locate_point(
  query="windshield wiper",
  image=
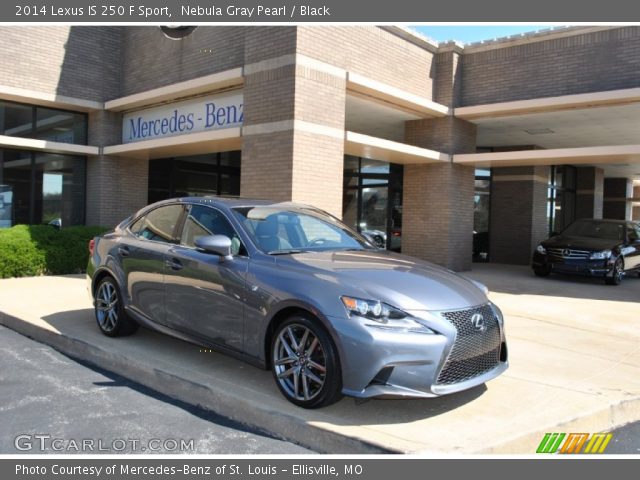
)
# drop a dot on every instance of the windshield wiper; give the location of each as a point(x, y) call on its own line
point(284, 252)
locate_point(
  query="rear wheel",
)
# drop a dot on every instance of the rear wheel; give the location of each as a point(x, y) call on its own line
point(616, 274)
point(305, 363)
point(110, 315)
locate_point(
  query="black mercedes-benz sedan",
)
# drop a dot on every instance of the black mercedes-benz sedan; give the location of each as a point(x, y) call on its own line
point(600, 248)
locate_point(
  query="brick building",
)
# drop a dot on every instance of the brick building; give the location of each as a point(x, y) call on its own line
point(450, 153)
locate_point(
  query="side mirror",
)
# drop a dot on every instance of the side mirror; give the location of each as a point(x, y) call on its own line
point(216, 244)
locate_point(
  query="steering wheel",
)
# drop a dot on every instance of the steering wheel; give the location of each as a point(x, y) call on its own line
point(317, 242)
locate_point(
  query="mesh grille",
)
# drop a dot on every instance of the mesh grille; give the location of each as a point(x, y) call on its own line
point(474, 351)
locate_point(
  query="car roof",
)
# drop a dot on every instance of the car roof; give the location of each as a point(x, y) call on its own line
point(603, 220)
point(229, 202)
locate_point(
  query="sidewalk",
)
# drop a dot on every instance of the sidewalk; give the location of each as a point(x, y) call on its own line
point(574, 366)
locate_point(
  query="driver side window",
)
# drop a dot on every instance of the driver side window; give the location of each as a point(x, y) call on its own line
point(202, 221)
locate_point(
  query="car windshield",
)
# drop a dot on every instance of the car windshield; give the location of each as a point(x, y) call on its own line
point(595, 229)
point(284, 229)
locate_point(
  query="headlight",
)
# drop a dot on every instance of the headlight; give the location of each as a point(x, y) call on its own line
point(497, 312)
point(541, 249)
point(603, 255)
point(385, 316)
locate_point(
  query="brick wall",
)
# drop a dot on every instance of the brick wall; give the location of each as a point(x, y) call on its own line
point(82, 62)
point(604, 60)
point(518, 213)
point(589, 192)
point(370, 51)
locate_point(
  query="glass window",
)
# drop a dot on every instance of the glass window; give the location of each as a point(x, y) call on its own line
point(481, 215)
point(202, 221)
point(159, 224)
point(195, 176)
point(43, 187)
point(16, 119)
point(561, 197)
point(19, 120)
point(60, 126)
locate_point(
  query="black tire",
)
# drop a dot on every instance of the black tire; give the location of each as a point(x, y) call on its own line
point(111, 318)
point(617, 274)
point(542, 271)
point(292, 372)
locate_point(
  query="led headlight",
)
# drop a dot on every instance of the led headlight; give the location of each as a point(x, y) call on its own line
point(541, 249)
point(385, 316)
point(603, 255)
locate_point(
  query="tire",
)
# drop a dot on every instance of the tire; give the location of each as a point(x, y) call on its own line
point(298, 371)
point(109, 310)
point(618, 272)
point(542, 272)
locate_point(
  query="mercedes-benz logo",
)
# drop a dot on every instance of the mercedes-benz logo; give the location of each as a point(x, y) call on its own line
point(566, 252)
point(477, 320)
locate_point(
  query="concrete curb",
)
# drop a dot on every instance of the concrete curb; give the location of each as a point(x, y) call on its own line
point(274, 422)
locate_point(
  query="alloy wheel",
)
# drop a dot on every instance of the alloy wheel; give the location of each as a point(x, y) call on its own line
point(299, 362)
point(107, 306)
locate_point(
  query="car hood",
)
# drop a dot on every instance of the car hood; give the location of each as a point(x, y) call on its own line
point(403, 282)
point(580, 243)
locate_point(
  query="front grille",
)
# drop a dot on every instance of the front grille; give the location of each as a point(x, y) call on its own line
point(568, 254)
point(474, 351)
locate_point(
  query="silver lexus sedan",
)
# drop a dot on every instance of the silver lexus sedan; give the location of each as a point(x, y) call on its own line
point(290, 288)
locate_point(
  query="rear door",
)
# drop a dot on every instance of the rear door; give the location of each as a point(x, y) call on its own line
point(143, 254)
point(632, 249)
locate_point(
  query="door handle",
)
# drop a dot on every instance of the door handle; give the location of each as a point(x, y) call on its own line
point(123, 251)
point(174, 264)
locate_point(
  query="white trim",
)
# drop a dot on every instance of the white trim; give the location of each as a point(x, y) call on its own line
point(227, 139)
point(555, 156)
point(47, 146)
point(395, 152)
point(294, 59)
point(175, 91)
point(373, 88)
point(299, 125)
point(44, 99)
point(519, 178)
point(563, 102)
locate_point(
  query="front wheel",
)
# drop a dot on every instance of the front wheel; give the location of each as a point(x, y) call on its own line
point(110, 315)
point(305, 363)
point(542, 271)
point(616, 274)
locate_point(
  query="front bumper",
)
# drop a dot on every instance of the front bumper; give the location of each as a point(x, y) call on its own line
point(585, 267)
point(377, 363)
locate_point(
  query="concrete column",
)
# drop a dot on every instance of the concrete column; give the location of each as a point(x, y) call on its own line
point(437, 211)
point(293, 133)
point(617, 192)
point(589, 192)
point(518, 213)
point(116, 186)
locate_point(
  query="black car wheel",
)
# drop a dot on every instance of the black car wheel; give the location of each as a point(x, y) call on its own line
point(616, 274)
point(542, 271)
point(110, 315)
point(305, 363)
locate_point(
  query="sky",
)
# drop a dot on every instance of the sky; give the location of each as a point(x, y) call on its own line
point(474, 33)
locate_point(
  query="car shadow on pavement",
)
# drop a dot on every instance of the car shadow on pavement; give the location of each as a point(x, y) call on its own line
point(222, 374)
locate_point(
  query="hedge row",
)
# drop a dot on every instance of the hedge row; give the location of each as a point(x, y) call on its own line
point(27, 250)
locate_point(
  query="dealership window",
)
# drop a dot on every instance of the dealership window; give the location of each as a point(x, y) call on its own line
point(481, 215)
point(31, 121)
point(39, 187)
point(195, 176)
point(561, 197)
point(372, 199)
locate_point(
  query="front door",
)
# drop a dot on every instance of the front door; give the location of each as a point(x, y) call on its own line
point(204, 293)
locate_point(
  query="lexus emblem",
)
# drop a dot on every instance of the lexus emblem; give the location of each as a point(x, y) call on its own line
point(477, 320)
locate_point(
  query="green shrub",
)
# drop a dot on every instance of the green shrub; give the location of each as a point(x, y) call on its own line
point(27, 250)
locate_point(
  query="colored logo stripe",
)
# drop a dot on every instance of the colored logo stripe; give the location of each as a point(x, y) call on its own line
point(574, 443)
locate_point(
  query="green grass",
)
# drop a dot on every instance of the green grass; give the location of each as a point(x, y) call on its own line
point(28, 250)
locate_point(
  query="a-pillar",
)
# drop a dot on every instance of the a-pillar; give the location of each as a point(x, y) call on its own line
point(518, 213)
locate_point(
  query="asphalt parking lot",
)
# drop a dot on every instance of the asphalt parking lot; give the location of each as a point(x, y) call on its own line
point(574, 366)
